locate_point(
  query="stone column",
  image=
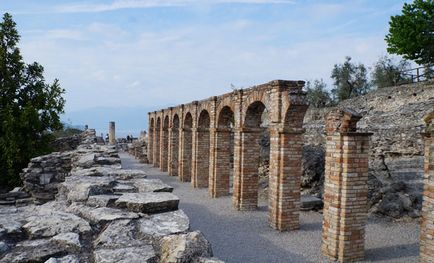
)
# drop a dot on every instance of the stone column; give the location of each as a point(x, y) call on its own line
point(286, 148)
point(220, 166)
point(427, 223)
point(112, 134)
point(345, 187)
point(246, 161)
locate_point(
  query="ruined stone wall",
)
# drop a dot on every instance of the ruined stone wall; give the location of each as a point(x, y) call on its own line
point(101, 213)
point(394, 115)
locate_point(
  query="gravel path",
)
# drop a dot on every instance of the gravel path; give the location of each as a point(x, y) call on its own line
point(246, 237)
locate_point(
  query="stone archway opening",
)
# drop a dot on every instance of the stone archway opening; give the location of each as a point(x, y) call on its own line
point(174, 146)
point(257, 122)
point(202, 152)
point(224, 173)
point(157, 143)
point(187, 147)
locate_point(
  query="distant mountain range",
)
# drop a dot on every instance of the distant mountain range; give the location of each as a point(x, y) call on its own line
point(129, 120)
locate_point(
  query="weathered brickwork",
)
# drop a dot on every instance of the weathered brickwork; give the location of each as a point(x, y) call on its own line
point(151, 141)
point(174, 146)
point(427, 223)
point(345, 188)
point(201, 136)
point(164, 149)
point(156, 139)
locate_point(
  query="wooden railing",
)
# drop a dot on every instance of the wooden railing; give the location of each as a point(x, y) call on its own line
point(417, 74)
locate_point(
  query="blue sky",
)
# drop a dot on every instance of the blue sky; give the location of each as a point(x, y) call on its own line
point(157, 53)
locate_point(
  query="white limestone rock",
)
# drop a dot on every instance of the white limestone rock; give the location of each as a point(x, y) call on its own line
point(118, 234)
point(164, 224)
point(142, 254)
point(33, 251)
point(184, 248)
point(65, 259)
point(101, 214)
point(48, 223)
point(148, 202)
point(102, 200)
point(152, 185)
point(70, 239)
point(78, 189)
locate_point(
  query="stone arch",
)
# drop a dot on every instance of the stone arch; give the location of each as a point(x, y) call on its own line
point(294, 116)
point(157, 143)
point(254, 113)
point(202, 150)
point(173, 166)
point(225, 118)
point(187, 147)
point(164, 144)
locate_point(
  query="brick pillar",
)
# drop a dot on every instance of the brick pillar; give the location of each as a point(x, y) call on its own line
point(221, 166)
point(150, 144)
point(284, 180)
point(156, 153)
point(246, 161)
point(164, 149)
point(185, 156)
point(427, 223)
point(345, 188)
point(200, 175)
point(174, 151)
point(169, 150)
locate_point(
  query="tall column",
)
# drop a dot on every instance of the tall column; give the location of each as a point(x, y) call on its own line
point(246, 161)
point(169, 151)
point(345, 188)
point(185, 155)
point(164, 142)
point(427, 223)
point(200, 175)
point(286, 148)
point(156, 149)
point(220, 166)
point(112, 134)
point(150, 141)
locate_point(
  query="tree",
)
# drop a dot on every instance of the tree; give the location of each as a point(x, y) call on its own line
point(411, 34)
point(317, 95)
point(387, 72)
point(350, 80)
point(29, 108)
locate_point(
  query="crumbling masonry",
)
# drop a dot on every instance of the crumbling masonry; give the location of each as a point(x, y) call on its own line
point(193, 141)
point(427, 223)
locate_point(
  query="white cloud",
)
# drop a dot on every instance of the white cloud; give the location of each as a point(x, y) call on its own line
point(84, 7)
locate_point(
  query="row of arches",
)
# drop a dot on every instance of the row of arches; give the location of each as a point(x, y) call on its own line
point(216, 144)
